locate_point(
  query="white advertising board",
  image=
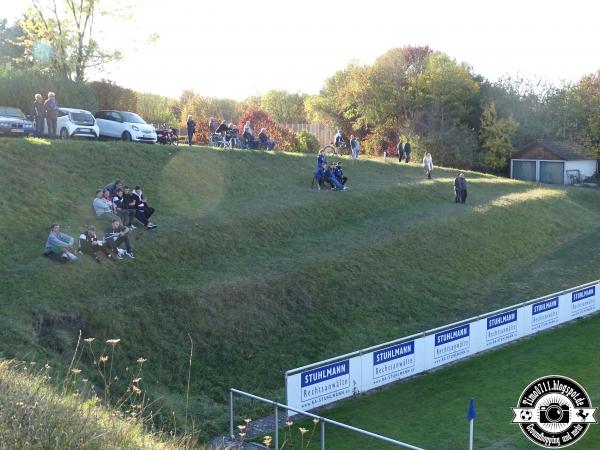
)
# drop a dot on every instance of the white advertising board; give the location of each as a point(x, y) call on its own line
point(365, 370)
point(326, 384)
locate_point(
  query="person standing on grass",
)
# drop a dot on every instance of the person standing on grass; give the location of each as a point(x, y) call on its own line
point(407, 150)
point(400, 151)
point(354, 146)
point(428, 165)
point(59, 245)
point(457, 188)
point(191, 128)
point(51, 106)
point(39, 115)
point(463, 187)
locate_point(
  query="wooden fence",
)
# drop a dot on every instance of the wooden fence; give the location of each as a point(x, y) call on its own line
point(324, 133)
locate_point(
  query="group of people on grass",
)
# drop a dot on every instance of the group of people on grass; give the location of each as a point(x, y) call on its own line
point(331, 174)
point(226, 135)
point(45, 112)
point(339, 142)
point(119, 207)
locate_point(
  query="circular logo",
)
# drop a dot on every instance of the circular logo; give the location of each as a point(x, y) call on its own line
point(554, 411)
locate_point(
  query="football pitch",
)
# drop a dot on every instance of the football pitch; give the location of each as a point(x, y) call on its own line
point(430, 411)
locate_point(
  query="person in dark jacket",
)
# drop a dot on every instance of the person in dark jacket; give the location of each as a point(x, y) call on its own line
point(191, 128)
point(265, 142)
point(144, 211)
point(332, 180)
point(407, 150)
point(121, 209)
point(51, 106)
point(112, 187)
point(89, 244)
point(39, 115)
point(115, 235)
point(457, 188)
point(339, 174)
point(320, 175)
point(222, 128)
point(400, 151)
point(321, 159)
point(463, 187)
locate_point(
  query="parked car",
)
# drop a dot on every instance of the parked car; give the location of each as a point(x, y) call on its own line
point(75, 123)
point(125, 125)
point(14, 123)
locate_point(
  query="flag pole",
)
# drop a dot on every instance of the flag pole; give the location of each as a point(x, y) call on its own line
point(471, 434)
point(471, 418)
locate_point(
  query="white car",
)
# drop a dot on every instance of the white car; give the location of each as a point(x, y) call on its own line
point(125, 125)
point(73, 122)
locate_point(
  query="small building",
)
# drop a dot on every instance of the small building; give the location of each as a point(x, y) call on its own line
point(553, 162)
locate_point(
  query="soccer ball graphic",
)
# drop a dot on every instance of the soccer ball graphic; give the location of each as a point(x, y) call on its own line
point(526, 415)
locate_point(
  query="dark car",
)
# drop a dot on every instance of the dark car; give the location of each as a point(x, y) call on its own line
point(14, 123)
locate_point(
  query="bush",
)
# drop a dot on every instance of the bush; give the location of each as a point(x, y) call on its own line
point(306, 142)
point(18, 87)
point(260, 119)
point(111, 96)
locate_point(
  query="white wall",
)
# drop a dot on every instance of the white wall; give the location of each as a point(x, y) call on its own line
point(586, 167)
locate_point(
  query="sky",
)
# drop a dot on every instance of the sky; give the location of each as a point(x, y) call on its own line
point(240, 48)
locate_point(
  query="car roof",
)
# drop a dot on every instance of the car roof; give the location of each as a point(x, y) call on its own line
point(74, 110)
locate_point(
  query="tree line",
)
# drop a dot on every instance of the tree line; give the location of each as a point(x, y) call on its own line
point(410, 93)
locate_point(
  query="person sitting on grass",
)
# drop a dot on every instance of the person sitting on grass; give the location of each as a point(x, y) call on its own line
point(321, 159)
point(112, 188)
point(332, 180)
point(59, 245)
point(248, 137)
point(320, 176)
point(103, 207)
point(115, 235)
point(144, 211)
point(222, 128)
point(339, 173)
point(89, 244)
point(265, 142)
point(120, 208)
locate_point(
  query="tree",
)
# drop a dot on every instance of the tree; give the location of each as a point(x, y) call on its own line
point(283, 106)
point(10, 50)
point(496, 137)
point(112, 96)
point(60, 35)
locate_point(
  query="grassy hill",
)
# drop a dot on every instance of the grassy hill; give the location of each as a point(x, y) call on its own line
point(262, 272)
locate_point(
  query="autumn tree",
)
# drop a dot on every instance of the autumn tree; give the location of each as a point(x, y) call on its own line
point(496, 137)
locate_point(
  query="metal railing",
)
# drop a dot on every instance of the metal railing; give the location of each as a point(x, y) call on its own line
point(436, 330)
point(322, 421)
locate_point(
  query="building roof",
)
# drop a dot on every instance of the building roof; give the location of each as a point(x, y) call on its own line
point(564, 150)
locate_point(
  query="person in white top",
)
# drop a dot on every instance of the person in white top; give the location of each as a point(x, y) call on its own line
point(428, 165)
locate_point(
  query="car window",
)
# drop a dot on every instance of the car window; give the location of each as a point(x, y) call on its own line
point(12, 112)
point(83, 118)
point(115, 116)
point(62, 113)
point(132, 117)
point(100, 115)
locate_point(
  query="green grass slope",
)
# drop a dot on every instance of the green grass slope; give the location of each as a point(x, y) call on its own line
point(263, 273)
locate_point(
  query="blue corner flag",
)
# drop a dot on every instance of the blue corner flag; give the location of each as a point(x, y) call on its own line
point(471, 414)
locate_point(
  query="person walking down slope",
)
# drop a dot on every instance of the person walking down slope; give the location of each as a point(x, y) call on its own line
point(462, 181)
point(428, 165)
point(407, 150)
point(191, 129)
point(58, 245)
point(51, 106)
